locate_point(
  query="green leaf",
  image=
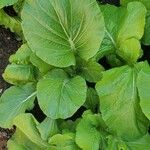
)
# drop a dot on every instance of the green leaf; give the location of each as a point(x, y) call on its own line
point(92, 100)
point(19, 6)
point(72, 29)
point(63, 142)
point(40, 64)
point(26, 123)
point(143, 84)
point(19, 74)
point(141, 143)
point(90, 133)
point(60, 96)
point(67, 126)
point(14, 24)
point(14, 101)
point(48, 128)
point(22, 56)
point(119, 102)
point(145, 2)
point(90, 70)
point(146, 37)
point(115, 143)
point(124, 27)
point(4, 3)
point(130, 49)
point(20, 141)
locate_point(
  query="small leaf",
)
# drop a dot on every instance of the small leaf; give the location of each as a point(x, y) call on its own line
point(90, 133)
point(26, 123)
point(19, 74)
point(92, 100)
point(14, 101)
point(14, 24)
point(48, 128)
point(63, 142)
point(20, 141)
point(90, 70)
point(115, 143)
point(69, 32)
point(60, 96)
point(22, 56)
point(40, 64)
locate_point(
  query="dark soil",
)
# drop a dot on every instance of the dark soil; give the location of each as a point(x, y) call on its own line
point(8, 46)
point(5, 135)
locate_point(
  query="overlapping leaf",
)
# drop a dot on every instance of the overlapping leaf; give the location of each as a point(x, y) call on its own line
point(14, 101)
point(63, 30)
point(60, 96)
point(124, 29)
point(119, 102)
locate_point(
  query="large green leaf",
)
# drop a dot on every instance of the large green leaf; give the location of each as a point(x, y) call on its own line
point(4, 3)
point(64, 28)
point(60, 96)
point(143, 83)
point(119, 102)
point(14, 101)
point(146, 37)
point(124, 29)
point(19, 74)
point(90, 133)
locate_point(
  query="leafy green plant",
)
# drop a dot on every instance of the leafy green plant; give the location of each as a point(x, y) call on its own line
point(58, 66)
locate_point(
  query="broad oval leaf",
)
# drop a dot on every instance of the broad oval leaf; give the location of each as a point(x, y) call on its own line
point(60, 96)
point(119, 102)
point(64, 28)
point(14, 101)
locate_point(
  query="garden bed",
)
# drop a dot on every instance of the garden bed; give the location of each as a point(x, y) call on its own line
point(10, 42)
